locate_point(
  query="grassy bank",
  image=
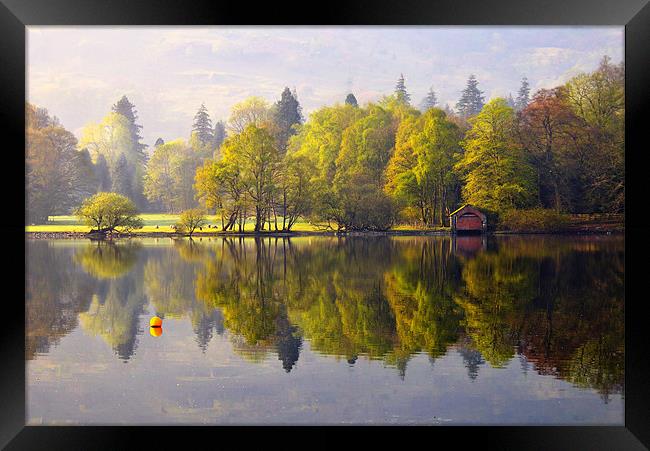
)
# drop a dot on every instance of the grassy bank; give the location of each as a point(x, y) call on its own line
point(160, 224)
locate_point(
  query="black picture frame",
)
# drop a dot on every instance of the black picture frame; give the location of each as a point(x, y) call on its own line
point(15, 15)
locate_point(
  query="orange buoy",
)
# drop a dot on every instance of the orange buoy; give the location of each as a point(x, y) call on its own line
point(155, 331)
point(155, 322)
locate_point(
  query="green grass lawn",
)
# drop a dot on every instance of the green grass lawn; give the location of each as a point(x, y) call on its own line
point(162, 221)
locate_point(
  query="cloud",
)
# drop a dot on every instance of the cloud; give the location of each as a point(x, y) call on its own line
point(167, 72)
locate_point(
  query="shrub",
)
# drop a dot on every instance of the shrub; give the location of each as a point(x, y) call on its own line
point(533, 220)
point(109, 212)
point(190, 220)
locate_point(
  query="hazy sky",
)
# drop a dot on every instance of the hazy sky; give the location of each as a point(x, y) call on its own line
point(77, 73)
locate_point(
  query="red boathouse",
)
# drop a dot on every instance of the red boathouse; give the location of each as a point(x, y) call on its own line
point(467, 219)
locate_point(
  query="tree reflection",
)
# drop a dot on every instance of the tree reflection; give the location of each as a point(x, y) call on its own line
point(556, 303)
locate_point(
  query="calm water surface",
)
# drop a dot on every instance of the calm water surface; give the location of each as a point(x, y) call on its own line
point(405, 330)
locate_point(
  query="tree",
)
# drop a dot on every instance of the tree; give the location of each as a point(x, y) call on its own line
point(127, 109)
point(255, 154)
point(471, 99)
point(400, 91)
point(296, 189)
point(496, 172)
point(510, 101)
point(286, 114)
point(523, 96)
point(109, 212)
point(430, 101)
point(420, 173)
point(121, 179)
point(102, 174)
point(58, 176)
point(219, 135)
point(219, 187)
point(253, 110)
point(190, 220)
point(351, 100)
point(113, 138)
point(159, 142)
point(202, 126)
point(170, 176)
point(552, 134)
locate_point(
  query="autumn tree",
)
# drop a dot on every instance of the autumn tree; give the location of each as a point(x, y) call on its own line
point(58, 176)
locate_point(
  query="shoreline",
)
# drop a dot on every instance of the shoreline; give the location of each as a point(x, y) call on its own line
point(279, 234)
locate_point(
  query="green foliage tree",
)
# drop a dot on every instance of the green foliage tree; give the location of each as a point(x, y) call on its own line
point(109, 213)
point(420, 173)
point(170, 176)
point(190, 220)
point(255, 154)
point(252, 111)
point(496, 172)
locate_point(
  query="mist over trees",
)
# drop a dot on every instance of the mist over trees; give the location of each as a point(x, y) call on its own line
point(350, 166)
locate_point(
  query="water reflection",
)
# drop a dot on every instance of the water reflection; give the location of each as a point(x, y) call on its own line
point(556, 304)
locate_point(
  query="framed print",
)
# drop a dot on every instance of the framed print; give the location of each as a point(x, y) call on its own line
point(387, 215)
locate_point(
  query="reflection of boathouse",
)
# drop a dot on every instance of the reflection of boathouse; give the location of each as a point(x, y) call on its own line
point(468, 245)
point(467, 219)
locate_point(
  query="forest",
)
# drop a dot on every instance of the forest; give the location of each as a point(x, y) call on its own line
point(350, 167)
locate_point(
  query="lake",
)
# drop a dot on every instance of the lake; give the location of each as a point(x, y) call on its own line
point(326, 330)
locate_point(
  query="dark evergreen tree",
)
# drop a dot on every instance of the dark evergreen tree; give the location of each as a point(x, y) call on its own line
point(351, 100)
point(219, 134)
point(430, 101)
point(287, 113)
point(159, 142)
point(523, 97)
point(103, 175)
point(471, 100)
point(400, 90)
point(510, 101)
point(127, 109)
point(121, 177)
point(202, 126)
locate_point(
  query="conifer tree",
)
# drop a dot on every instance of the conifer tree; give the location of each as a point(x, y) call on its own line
point(523, 97)
point(430, 101)
point(159, 142)
point(287, 113)
point(102, 174)
point(471, 100)
point(121, 177)
point(400, 90)
point(127, 109)
point(351, 100)
point(202, 126)
point(219, 134)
